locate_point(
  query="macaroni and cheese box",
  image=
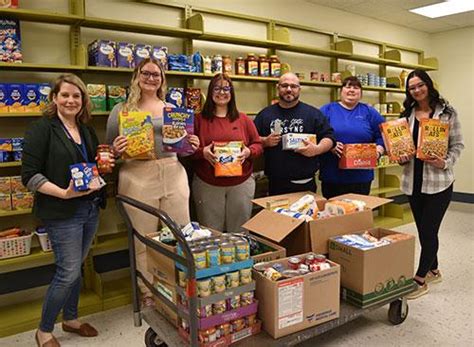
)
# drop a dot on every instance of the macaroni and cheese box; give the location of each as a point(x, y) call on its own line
point(85, 176)
point(5, 185)
point(358, 156)
point(17, 143)
point(397, 138)
point(227, 164)
point(115, 95)
point(3, 98)
point(15, 98)
point(43, 89)
point(137, 127)
point(292, 141)
point(124, 54)
point(22, 201)
point(433, 138)
point(98, 96)
point(6, 145)
point(32, 98)
point(178, 124)
point(5, 202)
point(16, 186)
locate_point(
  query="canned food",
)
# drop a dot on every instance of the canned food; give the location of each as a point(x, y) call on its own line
point(272, 274)
point(245, 276)
point(227, 252)
point(182, 280)
point(219, 307)
point(290, 273)
point(279, 267)
point(204, 287)
point(293, 263)
point(232, 279)
point(251, 319)
point(314, 267)
point(218, 283)
point(303, 271)
point(213, 256)
point(238, 325)
point(199, 255)
point(303, 267)
point(233, 302)
point(319, 258)
point(204, 311)
point(260, 267)
point(242, 250)
point(314, 76)
point(246, 298)
point(309, 259)
point(216, 64)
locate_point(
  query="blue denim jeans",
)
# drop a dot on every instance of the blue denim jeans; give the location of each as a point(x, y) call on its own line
point(71, 240)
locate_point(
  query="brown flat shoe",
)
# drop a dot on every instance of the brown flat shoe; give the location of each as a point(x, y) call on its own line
point(50, 343)
point(85, 330)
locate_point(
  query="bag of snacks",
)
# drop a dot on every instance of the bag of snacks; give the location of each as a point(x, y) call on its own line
point(227, 164)
point(433, 137)
point(397, 138)
point(138, 129)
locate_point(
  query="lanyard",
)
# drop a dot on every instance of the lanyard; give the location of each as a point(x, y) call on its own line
point(81, 147)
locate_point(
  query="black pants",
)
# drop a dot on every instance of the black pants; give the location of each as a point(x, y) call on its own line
point(429, 210)
point(279, 186)
point(331, 190)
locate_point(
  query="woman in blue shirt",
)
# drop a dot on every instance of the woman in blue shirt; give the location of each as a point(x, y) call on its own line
point(353, 122)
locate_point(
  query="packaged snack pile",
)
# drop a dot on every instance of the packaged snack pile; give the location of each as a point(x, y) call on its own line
point(368, 241)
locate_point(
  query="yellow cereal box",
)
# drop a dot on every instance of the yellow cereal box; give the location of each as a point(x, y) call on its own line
point(397, 138)
point(227, 164)
point(433, 137)
point(138, 128)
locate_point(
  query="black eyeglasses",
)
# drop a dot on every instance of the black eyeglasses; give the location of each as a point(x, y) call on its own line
point(148, 75)
point(292, 86)
point(225, 89)
point(417, 86)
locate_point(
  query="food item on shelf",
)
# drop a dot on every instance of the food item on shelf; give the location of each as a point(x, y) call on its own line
point(227, 164)
point(300, 75)
point(213, 255)
point(10, 45)
point(22, 201)
point(314, 76)
point(251, 65)
point(336, 77)
point(207, 64)
point(193, 99)
point(141, 52)
point(178, 124)
point(218, 283)
point(240, 66)
point(351, 68)
point(227, 64)
point(199, 254)
point(397, 138)
point(245, 276)
point(3, 98)
point(137, 127)
point(31, 100)
point(358, 156)
point(85, 176)
point(263, 66)
point(242, 250)
point(205, 311)
point(232, 279)
point(219, 307)
point(160, 53)
point(124, 55)
point(182, 280)
point(238, 324)
point(15, 97)
point(5, 187)
point(6, 145)
point(9, 4)
point(246, 298)
point(433, 139)
point(224, 329)
point(5, 202)
point(16, 185)
point(115, 95)
point(216, 65)
point(208, 335)
point(176, 96)
point(233, 302)
point(275, 66)
point(97, 94)
point(292, 141)
point(102, 53)
point(204, 287)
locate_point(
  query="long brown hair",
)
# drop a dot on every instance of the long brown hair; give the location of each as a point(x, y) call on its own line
point(209, 109)
point(135, 90)
point(51, 110)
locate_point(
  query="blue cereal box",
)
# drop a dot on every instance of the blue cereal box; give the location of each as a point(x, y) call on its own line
point(178, 124)
point(15, 98)
point(43, 90)
point(4, 156)
point(102, 53)
point(141, 52)
point(85, 176)
point(10, 43)
point(3, 98)
point(176, 96)
point(161, 54)
point(17, 143)
point(125, 55)
point(32, 98)
point(6, 145)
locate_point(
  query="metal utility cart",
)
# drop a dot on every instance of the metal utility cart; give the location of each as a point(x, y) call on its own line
point(162, 333)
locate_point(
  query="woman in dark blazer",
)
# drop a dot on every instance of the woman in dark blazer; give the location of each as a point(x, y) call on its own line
point(59, 139)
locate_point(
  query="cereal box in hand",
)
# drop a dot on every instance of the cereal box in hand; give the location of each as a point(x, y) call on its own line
point(178, 124)
point(227, 164)
point(433, 137)
point(358, 156)
point(137, 127)
point(397, 138)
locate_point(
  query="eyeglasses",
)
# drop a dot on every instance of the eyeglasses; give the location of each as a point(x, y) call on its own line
point(225, 89)
point(415, 87)
point(147, 75)
point(286, 85)
point(351, 86)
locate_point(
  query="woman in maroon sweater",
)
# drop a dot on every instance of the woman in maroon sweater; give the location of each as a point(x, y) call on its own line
point(223, 203)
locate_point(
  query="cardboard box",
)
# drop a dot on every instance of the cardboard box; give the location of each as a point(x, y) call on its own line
point(358, 156)
point(276, 252)
point(169, 291)
point(159, 265)
point(297, 303)
point(370, 276)
point(298, 236)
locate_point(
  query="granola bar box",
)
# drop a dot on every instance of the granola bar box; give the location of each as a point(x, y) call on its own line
point(433, 137)
point(178, 124)
point(397, 138)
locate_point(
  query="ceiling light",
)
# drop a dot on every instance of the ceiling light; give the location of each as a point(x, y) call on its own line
point(445, 8)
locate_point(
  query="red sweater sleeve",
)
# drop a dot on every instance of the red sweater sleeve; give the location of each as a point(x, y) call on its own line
point(254, 140)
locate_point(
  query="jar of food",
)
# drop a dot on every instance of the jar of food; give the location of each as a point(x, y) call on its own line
point(207, 64)
point(240, 66)
point(227, 64)
point(216, 64)
point(227, 252)
point(263, 66)
point(218, 283)
point(204, 287)
point(245, 276)
point(242, 250)
point(199, 255)
point(233, 302)
point(403, 78)
point(251, 65)
point(104, 158)
point(232, 279)
point(275, 66)
point(213, 256)
point(219, 307)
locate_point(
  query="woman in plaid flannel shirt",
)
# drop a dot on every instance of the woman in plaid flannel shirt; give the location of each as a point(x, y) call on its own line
point(429, 183)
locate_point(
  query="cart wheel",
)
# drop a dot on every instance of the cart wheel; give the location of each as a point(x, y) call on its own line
point(398, 311)
point(152, 339)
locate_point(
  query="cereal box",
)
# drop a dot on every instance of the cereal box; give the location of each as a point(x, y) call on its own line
point(115, 95)
point(433, 138)
point(98, 97)
point(15, 98)
point(227, 164)
point(292, 141)
point(161, 54)
point(102, 53)
point(6, 145)
point(9, 4)
point(5, 185)
point(193, 99)
point(17, 143)
point(141, 52)
point(22, 201)
point(32, 98)
point(178, 124)
point(5, 156)
point(3, 98)
point(43, 89)
point(397, 138)
point(176, 96)
point(16, 186)
point(138, 128)
point(10, 44)
point(124, 54)
point(358, 156)
point(86, 176)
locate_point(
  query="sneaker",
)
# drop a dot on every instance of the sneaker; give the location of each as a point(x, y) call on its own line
point(420, 291)
point(433, 277)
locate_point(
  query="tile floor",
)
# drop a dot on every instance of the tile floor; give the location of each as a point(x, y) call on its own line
point(444, 317)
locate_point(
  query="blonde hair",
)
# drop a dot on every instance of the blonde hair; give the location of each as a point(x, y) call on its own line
point(51, 110)
point(135, 90)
